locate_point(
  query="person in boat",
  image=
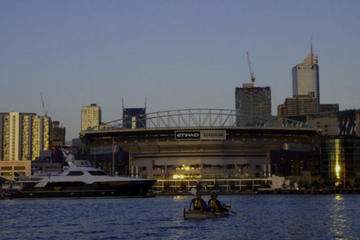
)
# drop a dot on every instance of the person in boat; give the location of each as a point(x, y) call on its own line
point(215, 204)
point(198, 203)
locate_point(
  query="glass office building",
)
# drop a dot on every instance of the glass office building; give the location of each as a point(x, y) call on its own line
point(306, 78)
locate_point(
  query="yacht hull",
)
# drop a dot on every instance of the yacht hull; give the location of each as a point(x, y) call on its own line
point(79, 189)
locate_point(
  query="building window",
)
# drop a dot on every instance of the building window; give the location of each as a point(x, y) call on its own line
point(19, 168)
point(6, 168)
point(97, 173)
point(75, 173)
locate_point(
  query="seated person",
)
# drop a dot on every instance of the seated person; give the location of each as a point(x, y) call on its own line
point(198, 203)
point(215, 204)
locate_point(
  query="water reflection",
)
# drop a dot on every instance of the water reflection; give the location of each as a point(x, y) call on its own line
point(339, 197)
point(340, 224)
point(262, 217)
point(179, 197)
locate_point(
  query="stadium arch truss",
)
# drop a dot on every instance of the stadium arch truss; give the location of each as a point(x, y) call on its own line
point(201, 117)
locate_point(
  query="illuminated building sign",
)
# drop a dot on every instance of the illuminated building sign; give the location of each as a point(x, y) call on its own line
point(187, 135)
point(201, 135)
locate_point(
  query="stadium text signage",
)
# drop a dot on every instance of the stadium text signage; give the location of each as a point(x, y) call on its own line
point(201, 135)
point(187, 135)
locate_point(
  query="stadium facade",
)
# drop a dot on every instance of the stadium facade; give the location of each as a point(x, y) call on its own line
point(199, 144)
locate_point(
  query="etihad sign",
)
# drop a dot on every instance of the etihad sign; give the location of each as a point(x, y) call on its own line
point(187, 135)
point(201, 135)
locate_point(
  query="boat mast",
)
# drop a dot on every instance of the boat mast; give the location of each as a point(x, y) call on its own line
point(113, 157)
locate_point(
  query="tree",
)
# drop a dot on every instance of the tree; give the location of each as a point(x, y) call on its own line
point(292, 185)
point(232, 185)
point(301, 184)
point(357, 182)
point(315, 185)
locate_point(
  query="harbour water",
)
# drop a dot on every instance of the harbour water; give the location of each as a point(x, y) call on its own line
point(258, 217)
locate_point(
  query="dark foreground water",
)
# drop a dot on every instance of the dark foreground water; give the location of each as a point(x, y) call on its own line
point(262, 217)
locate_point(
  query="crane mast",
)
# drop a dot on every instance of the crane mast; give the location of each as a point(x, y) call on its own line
point(43, 104)
point(252, 76)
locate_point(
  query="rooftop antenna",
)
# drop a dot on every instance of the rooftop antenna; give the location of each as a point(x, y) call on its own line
point(311, 50)
point(252, 76)
point(43, 104)
point(314, 57)
point(145, 102)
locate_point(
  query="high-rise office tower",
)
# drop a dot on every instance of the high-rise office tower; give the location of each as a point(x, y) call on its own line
point(253, 105)
point(306, 78)
point(90, 117)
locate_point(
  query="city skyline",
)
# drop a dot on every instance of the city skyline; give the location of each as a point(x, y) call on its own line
point(178, 55)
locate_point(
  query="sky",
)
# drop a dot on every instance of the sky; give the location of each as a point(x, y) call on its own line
point(178, 54)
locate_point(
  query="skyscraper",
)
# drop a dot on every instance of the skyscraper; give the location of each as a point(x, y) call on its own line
point(90, 117)
point(22, 137)
point(306, 78)
point(253, 105)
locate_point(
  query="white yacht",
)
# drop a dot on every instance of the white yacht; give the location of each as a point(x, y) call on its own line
point(78, 179)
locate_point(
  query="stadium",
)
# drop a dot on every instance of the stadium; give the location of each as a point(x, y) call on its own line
point(182, 148)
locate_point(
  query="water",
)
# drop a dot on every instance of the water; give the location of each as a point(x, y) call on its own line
point(262, 217)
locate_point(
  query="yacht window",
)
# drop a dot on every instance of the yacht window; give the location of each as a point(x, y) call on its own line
point(75, 173)
point(97, 173)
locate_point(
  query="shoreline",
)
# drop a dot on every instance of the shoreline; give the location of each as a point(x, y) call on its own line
point(163, 194)
point(268, 192)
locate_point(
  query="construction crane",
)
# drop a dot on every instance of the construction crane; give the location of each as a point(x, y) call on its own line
point(252, 76)
point(43, 104)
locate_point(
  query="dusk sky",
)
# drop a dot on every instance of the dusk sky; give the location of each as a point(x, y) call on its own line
point(178, 54)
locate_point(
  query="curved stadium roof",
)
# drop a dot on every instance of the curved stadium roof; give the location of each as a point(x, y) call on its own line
point(201, 118)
